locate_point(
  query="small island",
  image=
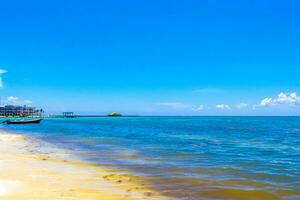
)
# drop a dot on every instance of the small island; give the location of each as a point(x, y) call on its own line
point(114, 114)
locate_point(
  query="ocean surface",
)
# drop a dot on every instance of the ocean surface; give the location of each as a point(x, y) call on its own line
point(188, 158)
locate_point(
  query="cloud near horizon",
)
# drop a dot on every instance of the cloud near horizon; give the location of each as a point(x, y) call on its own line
point(2, 71)
point(181, 106)
point(282, 98)
point(289, 99)
point(242, 105)
point(199, 108)
point(223, 107)
point(12, 100)
point(174, 105)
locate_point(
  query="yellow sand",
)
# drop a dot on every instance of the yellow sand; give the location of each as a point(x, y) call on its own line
point(28, 175)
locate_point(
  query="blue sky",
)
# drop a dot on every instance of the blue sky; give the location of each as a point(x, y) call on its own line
point(152, 57)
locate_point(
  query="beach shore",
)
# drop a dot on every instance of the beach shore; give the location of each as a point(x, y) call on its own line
point(31, 171)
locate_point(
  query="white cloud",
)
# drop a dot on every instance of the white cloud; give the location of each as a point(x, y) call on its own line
point(2, 71)
point(174, 105)
point(223, 107)
point(241, 105)
point(1, 82)
point(198, 109)
point(12, 100)
point(266, 102)
point(281, 99)
point(181, 106)
point(291, 99)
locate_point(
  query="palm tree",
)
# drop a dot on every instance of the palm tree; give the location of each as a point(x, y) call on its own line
point(41, 111)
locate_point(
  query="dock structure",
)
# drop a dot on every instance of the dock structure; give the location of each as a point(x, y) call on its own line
point(68, 115)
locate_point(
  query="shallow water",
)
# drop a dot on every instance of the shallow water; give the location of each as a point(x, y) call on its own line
point(189, 157)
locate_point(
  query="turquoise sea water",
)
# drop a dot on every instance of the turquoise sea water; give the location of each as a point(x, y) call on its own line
point(189, 157)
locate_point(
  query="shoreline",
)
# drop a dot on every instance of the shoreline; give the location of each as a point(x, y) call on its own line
point(29, 170)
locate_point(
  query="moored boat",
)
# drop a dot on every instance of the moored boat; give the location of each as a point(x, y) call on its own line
point(34, 121)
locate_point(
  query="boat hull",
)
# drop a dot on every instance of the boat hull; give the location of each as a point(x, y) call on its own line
point(37, 121)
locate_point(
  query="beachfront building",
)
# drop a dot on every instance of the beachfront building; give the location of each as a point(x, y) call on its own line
point(19, 111)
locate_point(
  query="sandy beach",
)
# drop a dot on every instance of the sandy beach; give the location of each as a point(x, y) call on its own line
point(29, 170)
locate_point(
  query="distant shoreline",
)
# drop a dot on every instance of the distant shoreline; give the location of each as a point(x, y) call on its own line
point(79, 116)
point(103, 116)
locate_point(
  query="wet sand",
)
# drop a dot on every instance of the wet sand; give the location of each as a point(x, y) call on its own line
point(49, 174)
